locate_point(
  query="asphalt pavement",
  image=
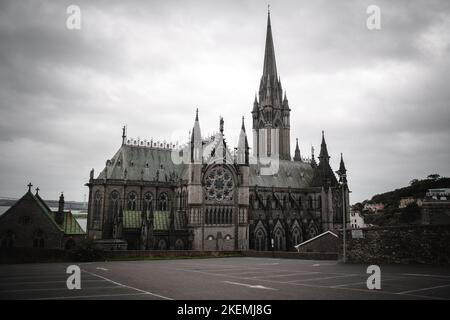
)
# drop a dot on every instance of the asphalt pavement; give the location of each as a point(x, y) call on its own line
point(238, 278)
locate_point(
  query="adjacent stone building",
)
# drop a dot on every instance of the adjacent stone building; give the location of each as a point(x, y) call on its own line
point(30, 223)
point(207, 196)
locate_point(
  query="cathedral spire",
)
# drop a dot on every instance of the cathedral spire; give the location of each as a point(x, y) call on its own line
point(297, 156)
point(270, 66)
point(268, 122)
point(323, 156)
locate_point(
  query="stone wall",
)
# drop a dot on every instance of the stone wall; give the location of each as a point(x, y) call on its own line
point(399, 245)
point(292, 255)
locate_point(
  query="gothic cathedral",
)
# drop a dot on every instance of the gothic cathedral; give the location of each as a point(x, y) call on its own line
point(205, 195)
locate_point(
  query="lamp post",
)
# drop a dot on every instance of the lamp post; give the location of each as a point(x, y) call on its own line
point(343, 182)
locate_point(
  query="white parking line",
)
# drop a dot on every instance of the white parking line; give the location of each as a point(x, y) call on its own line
point(65, 289)
point(91, 296)
point(253, 286)
point(47, 282)
point(325, 278)
point(425, 275)
point(423, 289)
point(286, 275)
point(125, 286)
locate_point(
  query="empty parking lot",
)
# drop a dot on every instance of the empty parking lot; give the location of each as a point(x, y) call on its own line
point(222, 279)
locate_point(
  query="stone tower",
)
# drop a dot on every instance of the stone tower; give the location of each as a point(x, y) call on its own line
point(271, 124)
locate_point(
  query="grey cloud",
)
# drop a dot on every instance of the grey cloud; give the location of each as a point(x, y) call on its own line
point(380, 96)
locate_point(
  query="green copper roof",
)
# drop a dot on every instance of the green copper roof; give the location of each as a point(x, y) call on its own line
point(161, 220)
point(131, 219)
point(71, 225)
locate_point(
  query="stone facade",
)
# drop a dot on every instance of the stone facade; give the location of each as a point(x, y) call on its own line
point(205, 196)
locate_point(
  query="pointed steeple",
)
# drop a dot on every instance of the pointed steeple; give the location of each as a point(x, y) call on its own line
point(242, 149)
point(196, 132)
point(342, 168)
point(270, 66)
point(266, 114)
point(196, 141)
point(297, 156)
point(285, 103)
point(323, 156)
point(255, 106)
point(342, 172)
point(342, 165)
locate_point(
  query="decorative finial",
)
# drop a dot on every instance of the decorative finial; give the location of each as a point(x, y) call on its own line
point(29, 187)
point(221, 125)
point(37, 190)
point(268, 9)
point(124, 134)
point(196, 115)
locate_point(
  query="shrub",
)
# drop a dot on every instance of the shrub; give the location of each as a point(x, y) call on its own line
point(86, 250)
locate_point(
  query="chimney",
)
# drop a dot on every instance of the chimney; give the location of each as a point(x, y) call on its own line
point(59, 216)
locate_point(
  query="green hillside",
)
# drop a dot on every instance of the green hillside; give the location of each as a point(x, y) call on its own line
point(416, 189)
point(392, 214)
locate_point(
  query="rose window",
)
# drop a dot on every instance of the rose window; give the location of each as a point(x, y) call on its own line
point(219, 185)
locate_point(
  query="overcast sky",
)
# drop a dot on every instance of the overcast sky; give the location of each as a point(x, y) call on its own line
point(381, 96)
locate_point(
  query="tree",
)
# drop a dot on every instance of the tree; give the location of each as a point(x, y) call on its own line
point(358, 206)
point(433, 176)
point(410, 213)
point(413, 182)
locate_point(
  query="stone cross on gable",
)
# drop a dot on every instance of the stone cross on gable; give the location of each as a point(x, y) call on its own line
point(29, 187)
point(37, 190)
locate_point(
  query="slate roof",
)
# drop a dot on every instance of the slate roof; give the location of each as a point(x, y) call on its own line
point(292, 174)
point(136, 162)
point(136, 159)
